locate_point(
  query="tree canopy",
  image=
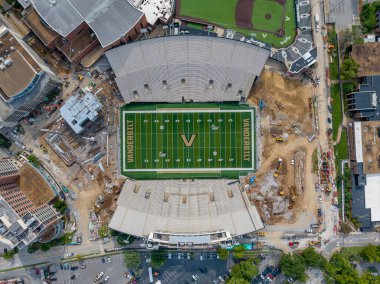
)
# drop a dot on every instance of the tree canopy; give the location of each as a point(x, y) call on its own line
point(312, 258)
point(349, 69)
point(157, 258)
point(368, 17)
point(340, 270)
point(222, 253)
point(371, 253)
point(293, 266)
point(238, 252)
point(242, 272)
point(132, 259)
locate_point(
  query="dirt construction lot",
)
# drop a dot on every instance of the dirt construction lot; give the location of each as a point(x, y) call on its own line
point(284, 186)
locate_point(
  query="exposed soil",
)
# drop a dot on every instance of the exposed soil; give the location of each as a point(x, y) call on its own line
point(285, 114)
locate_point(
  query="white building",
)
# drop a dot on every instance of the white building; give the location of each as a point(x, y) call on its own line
point(80, 110)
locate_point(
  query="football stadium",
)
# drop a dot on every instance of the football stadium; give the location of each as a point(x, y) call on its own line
point(187, 136)
point(187, 140)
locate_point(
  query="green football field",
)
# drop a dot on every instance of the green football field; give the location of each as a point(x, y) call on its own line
point(187, 140)
point(222, 13)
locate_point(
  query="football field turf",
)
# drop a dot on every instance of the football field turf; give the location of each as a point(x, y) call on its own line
point(187, 140)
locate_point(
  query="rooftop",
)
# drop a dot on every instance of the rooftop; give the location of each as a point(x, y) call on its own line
point(367, 55)
point(364, 104)
point(18, 68)
point(44, 33)
point(80, 110)
point(34, 186)
point(188, 207)
point(372, 196)
point(109, 19)
point(370, 141)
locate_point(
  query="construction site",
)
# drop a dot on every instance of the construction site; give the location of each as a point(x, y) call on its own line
point(283, 187)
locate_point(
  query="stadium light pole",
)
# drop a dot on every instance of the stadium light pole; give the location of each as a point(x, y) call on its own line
point(166, 30)
point(209, 27)
point(144, 31)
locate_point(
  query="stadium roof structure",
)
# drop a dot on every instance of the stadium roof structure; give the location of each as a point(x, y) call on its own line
point(184, 207)
point(109, 19)
point(182, 68)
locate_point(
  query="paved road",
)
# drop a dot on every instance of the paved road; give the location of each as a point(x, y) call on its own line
point(352, 240)
point(56, 254)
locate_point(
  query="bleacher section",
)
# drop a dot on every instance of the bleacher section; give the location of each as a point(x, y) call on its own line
point(184, 68)
point(184, 207)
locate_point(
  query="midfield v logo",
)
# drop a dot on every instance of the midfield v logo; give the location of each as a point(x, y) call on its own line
point(188, 143)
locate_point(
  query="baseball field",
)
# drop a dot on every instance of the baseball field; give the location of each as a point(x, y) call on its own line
point(270, 21)
point(187, 140)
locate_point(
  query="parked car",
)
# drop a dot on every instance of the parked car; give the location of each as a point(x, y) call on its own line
point(109, 259)
point(320, 199)
point(319, 212)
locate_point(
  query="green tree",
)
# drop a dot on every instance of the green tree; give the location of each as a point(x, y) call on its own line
point(157, 258)
point(340, 271)
point(293, 266)
point(238, 252)
point(10, 254)
point(132, 259)
point(34, 161)
point(349, 69)
point(371, 253)
point(45, 247)
point(4, 142)
point(368, 278)
point(312, 258)
point(236, 280)
point(368, 17)
point(243, 270)
point(222, 253)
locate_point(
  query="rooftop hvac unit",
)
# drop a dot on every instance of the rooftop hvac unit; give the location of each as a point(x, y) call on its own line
point(2, 67)
point(13, 48)
point(8, 62)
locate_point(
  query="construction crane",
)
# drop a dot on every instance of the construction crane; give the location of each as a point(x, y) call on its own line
point(91, 139)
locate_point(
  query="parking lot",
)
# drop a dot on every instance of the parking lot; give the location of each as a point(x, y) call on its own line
point(114, 269)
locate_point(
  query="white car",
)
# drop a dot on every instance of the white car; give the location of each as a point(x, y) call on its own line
point(100, 275)
point(69, 254)
point(107, 278)
point(109, 259)
point(292, 162)
point(319, 199)
point(311, 138)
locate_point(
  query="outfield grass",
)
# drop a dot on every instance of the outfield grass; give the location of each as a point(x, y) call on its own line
point(222, 13)
point(337, 113)
point(196, 140)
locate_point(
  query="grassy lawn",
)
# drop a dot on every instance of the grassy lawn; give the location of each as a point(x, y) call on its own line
point(222, 13)
point(336, 109)
point(350, 252)
point(333, 65)
point(341, 149)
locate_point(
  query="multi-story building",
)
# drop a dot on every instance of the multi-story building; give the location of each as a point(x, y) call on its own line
point(23, 218)
point(77, 27)
point(79, 111)
point(25, 80)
